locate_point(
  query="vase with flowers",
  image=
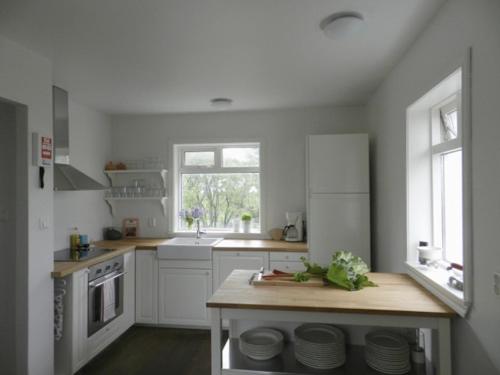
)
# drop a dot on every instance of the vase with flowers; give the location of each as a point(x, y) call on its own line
point(191, 215)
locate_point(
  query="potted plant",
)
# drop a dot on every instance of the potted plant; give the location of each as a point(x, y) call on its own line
point(246, 219)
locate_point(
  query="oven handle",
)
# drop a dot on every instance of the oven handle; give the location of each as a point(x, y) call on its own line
point(92, 285)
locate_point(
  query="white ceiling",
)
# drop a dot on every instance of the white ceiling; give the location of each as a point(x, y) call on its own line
point(158, 56)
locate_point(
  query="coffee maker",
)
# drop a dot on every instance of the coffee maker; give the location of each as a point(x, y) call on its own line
point(294, 229)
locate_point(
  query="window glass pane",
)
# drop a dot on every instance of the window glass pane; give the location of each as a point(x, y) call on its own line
point(199, 158)
point(240, 157)
point(452, 206)
point(223, 197)
point(449, 125)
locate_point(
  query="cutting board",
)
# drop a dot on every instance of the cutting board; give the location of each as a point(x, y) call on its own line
point(287, 281)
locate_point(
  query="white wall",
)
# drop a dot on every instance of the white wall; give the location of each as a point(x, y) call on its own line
point(26, 78)
point(90, 148)
point(283, 133)
point(459, 24)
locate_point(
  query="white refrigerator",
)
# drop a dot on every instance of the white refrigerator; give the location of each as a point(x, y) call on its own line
point(338, 196)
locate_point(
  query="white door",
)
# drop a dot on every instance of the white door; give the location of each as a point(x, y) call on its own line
point(146, 283)
point(338, 163)
point(183, 294)
point(339, 222)
point(224, 262)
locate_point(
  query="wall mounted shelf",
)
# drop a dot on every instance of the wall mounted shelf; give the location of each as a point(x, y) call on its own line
point(113, 173)
point(162, 200)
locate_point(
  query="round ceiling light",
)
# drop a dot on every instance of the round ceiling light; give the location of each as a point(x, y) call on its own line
point(221, 103)
point(341, 24)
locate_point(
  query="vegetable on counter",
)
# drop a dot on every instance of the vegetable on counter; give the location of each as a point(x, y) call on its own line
point(346, 271)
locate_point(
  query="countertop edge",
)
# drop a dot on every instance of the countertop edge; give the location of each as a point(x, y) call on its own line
point(68, 268)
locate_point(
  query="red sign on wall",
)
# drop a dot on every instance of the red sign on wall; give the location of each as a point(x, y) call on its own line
point(46, 148)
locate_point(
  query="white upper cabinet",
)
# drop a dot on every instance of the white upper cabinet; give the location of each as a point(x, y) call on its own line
point(338, 163)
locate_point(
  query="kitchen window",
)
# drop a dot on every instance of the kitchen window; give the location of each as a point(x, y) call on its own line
point(223, 180)
point(438, 180)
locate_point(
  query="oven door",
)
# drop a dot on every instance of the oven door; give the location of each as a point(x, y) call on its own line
point(97, 317)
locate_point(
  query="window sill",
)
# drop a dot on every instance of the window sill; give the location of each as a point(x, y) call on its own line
point(436, 282)
point(225, 235)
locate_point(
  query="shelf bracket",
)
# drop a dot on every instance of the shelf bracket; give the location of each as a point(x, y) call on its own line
point(163, 203)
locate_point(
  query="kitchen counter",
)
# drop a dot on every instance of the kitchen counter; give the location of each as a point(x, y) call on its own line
point(63, 269)
point(397, 302)
point(139, 243)
point(396, 294)
point(261, 245)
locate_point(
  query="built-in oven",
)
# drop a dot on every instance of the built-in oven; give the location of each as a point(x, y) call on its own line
point(105, 293)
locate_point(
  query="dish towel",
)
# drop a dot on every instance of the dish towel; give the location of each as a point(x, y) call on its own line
point(108, 301)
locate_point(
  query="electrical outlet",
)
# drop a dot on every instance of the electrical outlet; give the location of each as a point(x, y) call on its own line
point(496, 283)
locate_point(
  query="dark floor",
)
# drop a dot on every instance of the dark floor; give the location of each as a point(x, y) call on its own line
point(150, 351)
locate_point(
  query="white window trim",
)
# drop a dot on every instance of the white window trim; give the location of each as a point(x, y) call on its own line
point(176, 167)
point(435, 280)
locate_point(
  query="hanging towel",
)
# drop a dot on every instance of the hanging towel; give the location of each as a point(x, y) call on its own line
point(108, 299)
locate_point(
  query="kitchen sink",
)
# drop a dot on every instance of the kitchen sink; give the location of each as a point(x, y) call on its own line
point(188, 248)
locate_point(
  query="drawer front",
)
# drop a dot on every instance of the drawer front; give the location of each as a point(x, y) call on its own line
point(284, 256)
point(287, 266)
point(191, 264)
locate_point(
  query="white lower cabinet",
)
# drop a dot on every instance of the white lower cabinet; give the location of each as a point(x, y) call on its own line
point(224, 262)
point(183, 294)
point(146, 292)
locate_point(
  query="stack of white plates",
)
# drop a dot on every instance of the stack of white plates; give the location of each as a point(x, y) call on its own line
point(387, 352)
point(261, 343)
point(320, 346)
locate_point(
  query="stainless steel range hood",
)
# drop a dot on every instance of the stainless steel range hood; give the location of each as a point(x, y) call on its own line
point(66, 177)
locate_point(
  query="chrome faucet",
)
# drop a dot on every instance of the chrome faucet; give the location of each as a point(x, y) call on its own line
point(198, 231)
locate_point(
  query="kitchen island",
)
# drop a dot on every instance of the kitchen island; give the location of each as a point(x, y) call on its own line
point(398, 301)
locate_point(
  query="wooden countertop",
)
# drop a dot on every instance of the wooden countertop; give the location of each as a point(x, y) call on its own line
point(261, 245)
point(139, 243)
point(396, 294)
point(63, 269)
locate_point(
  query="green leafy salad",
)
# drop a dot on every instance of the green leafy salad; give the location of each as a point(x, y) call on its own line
point(346, 271)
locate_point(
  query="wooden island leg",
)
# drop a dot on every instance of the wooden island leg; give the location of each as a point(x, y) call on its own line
point(216, 341)
point(444, 337)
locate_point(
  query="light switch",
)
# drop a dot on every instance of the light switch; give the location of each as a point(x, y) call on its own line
point(496, 281)
point(4, 215)
point(43, 223)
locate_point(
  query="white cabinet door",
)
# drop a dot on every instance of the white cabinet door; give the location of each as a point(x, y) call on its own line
point(224, 262)
point(183, 294)
point(128, 318)
point(287, 266)
point(78, 312)
point(146, 284)
point(338, 163)
point(339, 222)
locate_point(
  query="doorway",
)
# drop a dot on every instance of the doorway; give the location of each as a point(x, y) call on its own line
point(13, 235)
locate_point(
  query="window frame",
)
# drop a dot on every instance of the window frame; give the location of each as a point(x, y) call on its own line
point(419, 114)
point(178, 165)
point(438, 150)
